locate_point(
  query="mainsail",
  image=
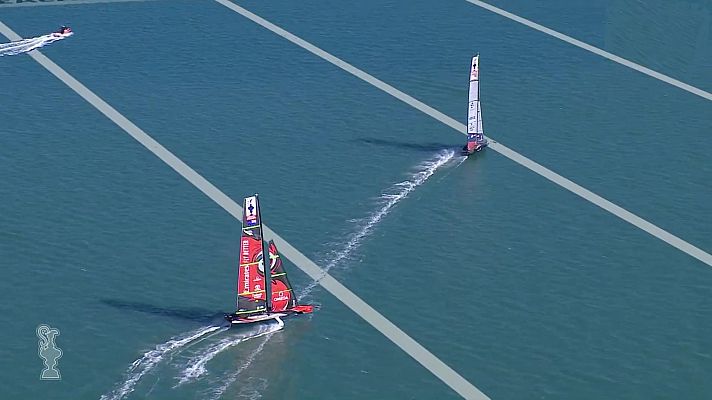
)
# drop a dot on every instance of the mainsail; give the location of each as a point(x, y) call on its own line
point(474, 112)
point(251, 285)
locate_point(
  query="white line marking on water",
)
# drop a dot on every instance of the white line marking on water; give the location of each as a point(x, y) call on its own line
point(69, 3)
point(533, 166)
point(595, 50)
point(341, 292)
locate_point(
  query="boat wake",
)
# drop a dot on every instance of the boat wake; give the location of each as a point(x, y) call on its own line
point(151, 358)
point(196, 365)
point(460, 161)
point(27, 45)
point(231, 378)
point(390, 197)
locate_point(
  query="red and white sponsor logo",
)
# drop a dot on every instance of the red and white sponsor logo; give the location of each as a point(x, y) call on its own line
point(245, 250)
point(246, 278)
point(280, 296)
point(257, 295)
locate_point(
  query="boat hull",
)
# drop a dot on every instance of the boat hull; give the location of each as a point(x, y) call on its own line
point(236, 320)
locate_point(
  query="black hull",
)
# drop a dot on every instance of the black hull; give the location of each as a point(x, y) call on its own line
point(467, 153)
point(234, 319)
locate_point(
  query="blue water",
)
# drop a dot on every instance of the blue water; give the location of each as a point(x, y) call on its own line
point(525, 289)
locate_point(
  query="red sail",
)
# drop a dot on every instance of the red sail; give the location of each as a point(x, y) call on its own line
point(251, 296)
point(283, 297)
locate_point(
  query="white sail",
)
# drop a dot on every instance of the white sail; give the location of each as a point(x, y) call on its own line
point(474, 111)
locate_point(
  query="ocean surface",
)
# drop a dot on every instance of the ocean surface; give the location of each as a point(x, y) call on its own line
point(523, 288)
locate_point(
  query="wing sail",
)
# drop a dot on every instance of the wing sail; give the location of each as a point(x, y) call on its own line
point(474, 111)
point(251, 288)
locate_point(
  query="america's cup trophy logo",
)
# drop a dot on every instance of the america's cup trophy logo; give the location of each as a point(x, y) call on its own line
point(48, 351)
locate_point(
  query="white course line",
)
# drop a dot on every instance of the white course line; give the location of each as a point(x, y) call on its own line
point(20, 3)
point(584, 193)
point(594, 50)
point(360, 307)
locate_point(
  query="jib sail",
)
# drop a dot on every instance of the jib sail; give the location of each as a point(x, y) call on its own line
point(283, 297)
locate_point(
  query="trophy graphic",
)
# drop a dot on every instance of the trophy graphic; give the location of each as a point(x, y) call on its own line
point(48, 351)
